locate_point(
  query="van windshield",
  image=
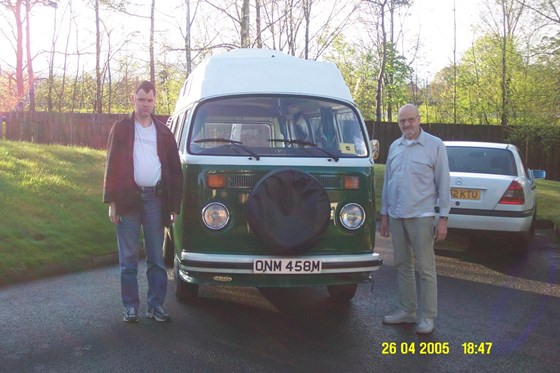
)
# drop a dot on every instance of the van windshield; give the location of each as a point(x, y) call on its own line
point(277, 126)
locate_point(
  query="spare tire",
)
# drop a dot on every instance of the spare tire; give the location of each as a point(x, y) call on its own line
point(289, 211)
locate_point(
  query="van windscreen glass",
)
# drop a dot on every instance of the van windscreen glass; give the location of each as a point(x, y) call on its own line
point(276, 126)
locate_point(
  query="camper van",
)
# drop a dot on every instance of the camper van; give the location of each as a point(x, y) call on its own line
point(278, 177)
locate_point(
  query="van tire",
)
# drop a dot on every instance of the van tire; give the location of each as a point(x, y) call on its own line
point(289, 210)
point(342, 293)
point(184, 291)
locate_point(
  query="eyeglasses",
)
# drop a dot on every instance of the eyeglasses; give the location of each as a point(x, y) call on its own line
point(409, 120)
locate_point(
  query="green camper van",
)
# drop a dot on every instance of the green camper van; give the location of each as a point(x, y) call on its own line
point(278, 175)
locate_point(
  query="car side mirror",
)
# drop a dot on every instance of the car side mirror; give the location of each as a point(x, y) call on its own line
point(374, 148)
point(539, 174)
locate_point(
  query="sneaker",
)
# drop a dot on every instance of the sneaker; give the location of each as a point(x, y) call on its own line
point(400, 317)
point(157, 313)
point(131, 315)
point(425, 326)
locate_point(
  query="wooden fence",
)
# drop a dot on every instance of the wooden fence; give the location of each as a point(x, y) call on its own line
point(92, 130)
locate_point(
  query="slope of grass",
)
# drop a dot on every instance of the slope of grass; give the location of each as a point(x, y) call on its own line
point(50, 206)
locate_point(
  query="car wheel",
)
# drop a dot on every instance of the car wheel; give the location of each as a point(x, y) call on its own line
point(184, 291)
point(342, 293)
point(289, 211)
point(168, 248)
point(533, 223)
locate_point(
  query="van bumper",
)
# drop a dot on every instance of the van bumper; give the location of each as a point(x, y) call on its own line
point(238, 270)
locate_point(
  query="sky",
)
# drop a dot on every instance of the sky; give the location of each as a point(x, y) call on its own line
point(431, 19)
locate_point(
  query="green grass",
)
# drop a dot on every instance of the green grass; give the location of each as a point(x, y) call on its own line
point(51, 210)
point(50, 206)
point(548, 200)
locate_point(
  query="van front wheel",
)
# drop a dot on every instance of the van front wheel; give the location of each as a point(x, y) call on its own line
point(184, 291)
point(342, 293)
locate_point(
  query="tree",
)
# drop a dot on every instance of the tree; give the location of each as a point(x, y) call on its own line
point(358, 64)
point(152, 31)
point(547, 9)
point(120, 6)
point(21, 10)
point(393, 60)
point(379, 21)
point(16, 7)
point(503, 23)
point(98, 107)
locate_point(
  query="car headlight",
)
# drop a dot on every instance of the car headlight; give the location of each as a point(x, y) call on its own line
point(352, 216)
point(215, 215)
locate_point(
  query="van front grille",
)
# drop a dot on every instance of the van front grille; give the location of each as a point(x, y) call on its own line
point(248, 181)
point(242, 181)
point(330, 181)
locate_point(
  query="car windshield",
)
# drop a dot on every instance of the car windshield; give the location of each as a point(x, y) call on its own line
point(481, 160)
point(277, 126)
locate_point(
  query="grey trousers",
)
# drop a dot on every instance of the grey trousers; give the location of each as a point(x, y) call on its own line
point(415, 237)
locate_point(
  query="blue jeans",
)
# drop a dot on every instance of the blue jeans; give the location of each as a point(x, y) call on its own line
point(128, 240)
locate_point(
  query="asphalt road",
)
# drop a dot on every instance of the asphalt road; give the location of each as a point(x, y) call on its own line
point(72, 323)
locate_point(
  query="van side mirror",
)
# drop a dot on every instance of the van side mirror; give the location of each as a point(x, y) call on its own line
point(374, 148)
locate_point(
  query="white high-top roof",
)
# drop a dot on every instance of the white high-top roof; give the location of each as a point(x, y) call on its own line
point(260, 71)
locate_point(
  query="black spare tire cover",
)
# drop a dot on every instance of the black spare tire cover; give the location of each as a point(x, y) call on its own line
point(289, 211)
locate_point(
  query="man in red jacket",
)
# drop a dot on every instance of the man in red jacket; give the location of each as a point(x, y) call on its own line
point(143, 186)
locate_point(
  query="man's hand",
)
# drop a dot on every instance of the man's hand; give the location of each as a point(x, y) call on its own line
point(384, 227)
point(441, 230)
point(115, 219)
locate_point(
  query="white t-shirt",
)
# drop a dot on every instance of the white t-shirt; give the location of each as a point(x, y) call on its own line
point(147, 167)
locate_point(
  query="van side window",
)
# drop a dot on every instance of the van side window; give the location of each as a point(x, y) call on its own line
point(351, 133)
point(315, 125)
point(180, 130)
point(300, 129)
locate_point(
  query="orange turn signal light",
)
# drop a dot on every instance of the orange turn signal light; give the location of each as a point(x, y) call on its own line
point(216, 181)
point(351, 182)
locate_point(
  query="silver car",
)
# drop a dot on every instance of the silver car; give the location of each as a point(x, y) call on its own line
point(492, 191)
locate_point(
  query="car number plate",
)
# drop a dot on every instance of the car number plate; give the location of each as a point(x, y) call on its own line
point(464, 193)
point(287, 266)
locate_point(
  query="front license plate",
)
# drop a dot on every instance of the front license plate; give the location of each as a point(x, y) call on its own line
point(287, 266)
point(464, 193)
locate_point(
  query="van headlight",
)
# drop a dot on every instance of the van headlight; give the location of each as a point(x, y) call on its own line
point(352, 216)
point(215, 215)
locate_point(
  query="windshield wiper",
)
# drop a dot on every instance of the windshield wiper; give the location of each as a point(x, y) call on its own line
point(306, 143)
point(294, 141)
point(238, 144)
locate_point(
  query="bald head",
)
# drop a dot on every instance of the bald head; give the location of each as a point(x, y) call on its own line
point(410, 108)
